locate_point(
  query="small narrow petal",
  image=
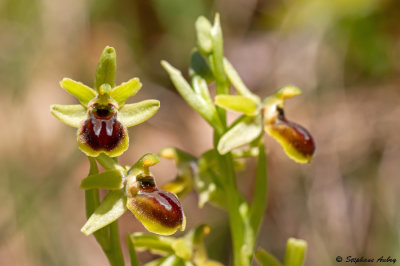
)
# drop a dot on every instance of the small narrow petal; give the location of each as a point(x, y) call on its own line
point(72, 115)
point(127, 89)
point(79, 90)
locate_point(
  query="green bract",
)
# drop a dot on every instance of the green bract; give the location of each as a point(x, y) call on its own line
point(102, 118)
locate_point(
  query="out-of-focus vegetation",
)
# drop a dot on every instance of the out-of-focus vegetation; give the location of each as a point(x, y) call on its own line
point(343, 54)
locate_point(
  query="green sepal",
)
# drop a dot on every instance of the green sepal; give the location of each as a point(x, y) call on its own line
point(244, 132)
point(237, 82)
point(136, 113)
point(203, 32)
point(200, 87)
point(174, 260)
point(160, 245)
point(78, 90)
point(72, 115)
point(111, 180)
point(218, 51)
point(266, 259)
point(200, 67)
point(206, 110)
point(295, 252)
point(182, 248)
point(238, 103)
point(106, 68)
point(112, 207)
point(127, 89)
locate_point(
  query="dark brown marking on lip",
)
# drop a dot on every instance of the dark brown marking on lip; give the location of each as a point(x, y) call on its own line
point(102, 134)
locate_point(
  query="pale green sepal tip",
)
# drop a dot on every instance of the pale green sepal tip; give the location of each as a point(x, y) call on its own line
point(112, 207)
point(106, 68)
point(136, 113)
point(287, 92)
point(295, 252)
point(204, 39)
point(266, 259)
point(111, 180)
point(127, 89)
point(72, 115)
point(237, 103)
point(79, 90)
point(242, 133)
point(146, 160)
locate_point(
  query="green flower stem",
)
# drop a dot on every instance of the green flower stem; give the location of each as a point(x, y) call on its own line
point(260, 194)
point(115, 246)
point(107, 237)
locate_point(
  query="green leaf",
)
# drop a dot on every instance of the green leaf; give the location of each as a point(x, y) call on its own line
point(160, 245)
point(111, 179)
point(295, 252)
point(206, 110)
point(112, 207)
point(79, 90)
point(132, 252)
point(266, 259)
point(127, 89)
point(199, 67)
point(72, 115)
point(203, 31)
point(136, 113)
point(237, 103)
point(242, 133)
point(106, 68)
point(237, 82)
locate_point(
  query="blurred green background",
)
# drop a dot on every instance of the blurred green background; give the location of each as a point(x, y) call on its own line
point(343, 54)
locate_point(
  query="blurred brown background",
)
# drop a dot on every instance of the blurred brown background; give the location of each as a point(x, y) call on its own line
point(343, 54)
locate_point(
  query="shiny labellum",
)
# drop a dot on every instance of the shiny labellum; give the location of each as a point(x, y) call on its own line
point(295, 139)
point(158, 210)
point(102, 132)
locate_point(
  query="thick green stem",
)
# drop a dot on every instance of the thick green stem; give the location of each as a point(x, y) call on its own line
point(260, 194)
point(115, 246)
point(107, 237)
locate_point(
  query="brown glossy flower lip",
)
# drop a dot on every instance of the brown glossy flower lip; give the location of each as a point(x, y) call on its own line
point(161, 206)
point(296, 135)
point(102, 130)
